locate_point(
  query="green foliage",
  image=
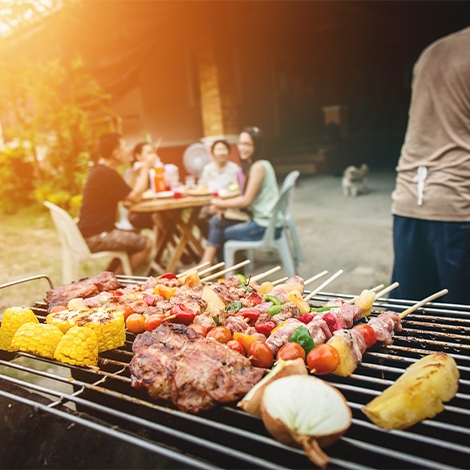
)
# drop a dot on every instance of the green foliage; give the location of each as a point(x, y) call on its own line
point(51, 111)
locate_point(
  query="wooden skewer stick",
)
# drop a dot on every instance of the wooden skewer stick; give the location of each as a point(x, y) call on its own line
point(180, 275)
point(351, 301)
point(279, 281)
point(319, 288)
point(386, 290)
point(314, 278)
point(267, 273)
point(212, 268)
point(213, 276)
point(424, 301)
point(157, 145)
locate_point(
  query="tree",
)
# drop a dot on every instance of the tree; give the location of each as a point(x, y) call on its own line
point(51, 113)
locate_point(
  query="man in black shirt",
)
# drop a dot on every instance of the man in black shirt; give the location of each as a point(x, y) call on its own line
point(103, 190)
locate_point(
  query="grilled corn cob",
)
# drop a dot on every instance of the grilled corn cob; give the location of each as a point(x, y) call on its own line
point(37, 339)
point(63, 319)
point(79, 347)
point(108, 325)
point(12, 319)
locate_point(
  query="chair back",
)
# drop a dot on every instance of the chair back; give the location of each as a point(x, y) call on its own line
point(70, 236)
point(289, 181)
point(279, 212)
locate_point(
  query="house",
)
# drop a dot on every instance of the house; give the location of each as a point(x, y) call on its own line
point(328, 82)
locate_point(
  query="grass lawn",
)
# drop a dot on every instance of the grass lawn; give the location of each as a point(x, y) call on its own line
point(29, 245)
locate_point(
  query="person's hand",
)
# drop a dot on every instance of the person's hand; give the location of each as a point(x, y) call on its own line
point(151, 160)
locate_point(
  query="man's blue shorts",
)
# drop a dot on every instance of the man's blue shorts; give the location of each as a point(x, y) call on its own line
point(431, 256)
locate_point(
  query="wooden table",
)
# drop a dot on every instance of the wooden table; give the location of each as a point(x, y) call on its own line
point(171, 228)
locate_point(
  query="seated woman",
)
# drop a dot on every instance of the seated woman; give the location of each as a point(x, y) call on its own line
point(142, 152)
point(220, 174)
point(260, 196)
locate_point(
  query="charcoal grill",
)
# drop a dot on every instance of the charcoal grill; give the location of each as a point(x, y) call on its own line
point(152, 435)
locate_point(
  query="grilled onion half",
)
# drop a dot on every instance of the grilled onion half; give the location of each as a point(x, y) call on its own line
point(306, 412)
point(252, 400)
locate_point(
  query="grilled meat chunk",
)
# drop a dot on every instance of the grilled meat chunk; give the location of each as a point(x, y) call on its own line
point(83, 288)
point(211, 373)
point(156, 357)
point(176, 364)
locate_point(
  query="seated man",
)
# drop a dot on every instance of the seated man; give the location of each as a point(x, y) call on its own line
point(103, 190)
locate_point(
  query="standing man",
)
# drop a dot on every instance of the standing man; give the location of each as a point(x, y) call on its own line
point(431, 201)
point(103, 190)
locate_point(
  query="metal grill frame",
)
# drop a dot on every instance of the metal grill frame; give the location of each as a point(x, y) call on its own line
point(226, 437)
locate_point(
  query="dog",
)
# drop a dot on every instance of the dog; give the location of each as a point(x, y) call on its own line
point(354, 180)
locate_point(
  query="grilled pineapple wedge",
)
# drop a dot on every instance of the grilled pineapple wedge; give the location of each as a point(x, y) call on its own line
point(418, 394)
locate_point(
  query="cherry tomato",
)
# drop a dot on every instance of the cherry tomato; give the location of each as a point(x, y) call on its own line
point(58, 308)
point(154, 321)
point(260, 354)
point(220, 334)
point(135, 323)
point(125, 309)
point(236, 346)
point(323, 359)
point(199, 329)
point(368, 333)
point(168, 276)
point(291, 351)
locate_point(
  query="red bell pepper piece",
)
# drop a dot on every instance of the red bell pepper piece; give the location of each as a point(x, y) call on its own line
point(306, 318)
point(265, 328)
point(255, 298)
point(332, 322)
point(150, 300)
point(168, 276)
point(182, 314)
point(248, 313)
point(115, 293)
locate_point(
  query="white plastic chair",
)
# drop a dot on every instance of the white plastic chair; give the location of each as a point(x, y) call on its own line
point(268, 241)
point(74, 247)
point(290, 180)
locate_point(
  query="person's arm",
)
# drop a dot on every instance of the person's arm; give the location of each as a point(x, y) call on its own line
point(256, 177)
point(142, 181)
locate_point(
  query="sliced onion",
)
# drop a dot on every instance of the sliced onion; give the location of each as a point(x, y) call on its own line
point(252, 400)
point(306, 412)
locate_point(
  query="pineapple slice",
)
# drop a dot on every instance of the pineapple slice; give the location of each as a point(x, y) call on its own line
point(341, 341)
point(302, 305)
point(365, 301)
point(214, 301)
point(416, 395)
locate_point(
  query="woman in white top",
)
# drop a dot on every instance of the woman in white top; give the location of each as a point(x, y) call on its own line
point(221, 173)
point(260, 196)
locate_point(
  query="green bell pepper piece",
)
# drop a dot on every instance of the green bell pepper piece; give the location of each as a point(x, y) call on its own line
point(274, 309)
point(242, 278)
point(302, 336)
point(273, 299)
point(323, 309)
point(234, 306)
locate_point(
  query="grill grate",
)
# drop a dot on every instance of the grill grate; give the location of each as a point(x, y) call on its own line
point(226, 437)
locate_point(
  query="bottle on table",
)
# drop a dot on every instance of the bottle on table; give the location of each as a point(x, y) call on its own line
point(159, 178)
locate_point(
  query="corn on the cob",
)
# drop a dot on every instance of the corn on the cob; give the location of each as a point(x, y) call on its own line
point(63, 319)
point(79, 347)
point(12, 319)
point(37, 338)
point(108, 324)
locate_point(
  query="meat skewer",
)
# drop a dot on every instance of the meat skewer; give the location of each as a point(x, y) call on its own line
point(319, 288)
point(224, 271)
point(180, 275)
point(212, 268)
point(267, 273)
point(350, 345)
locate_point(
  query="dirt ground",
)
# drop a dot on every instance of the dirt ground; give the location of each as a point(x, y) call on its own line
point(336, 232)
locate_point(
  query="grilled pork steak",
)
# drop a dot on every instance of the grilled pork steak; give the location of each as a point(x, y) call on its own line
point(83, 288)
point(176, 364)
